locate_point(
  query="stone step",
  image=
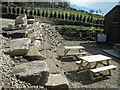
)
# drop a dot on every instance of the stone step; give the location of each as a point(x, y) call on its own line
point(57, 81)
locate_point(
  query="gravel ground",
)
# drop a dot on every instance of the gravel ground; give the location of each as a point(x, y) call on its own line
point(82, 79)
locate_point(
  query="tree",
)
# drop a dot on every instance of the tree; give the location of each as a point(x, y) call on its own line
point(70, 17)
point(91, 20)
point(38, 12)
point(84, 19)
point(58, 15)
point(51, 14)
point(77, 17)
point(73, 17)
point(22, 10)
point(46, 15)
point(66, 16)
point(43, 13)
point(97, 21)
point(91, 11)
point(26, 11)
point(35, 13)
point(100, 11)
point(9, 9)
point(55, 15)
point(81, 18)
point(13, 9)
point(18, 10)
point(62, 17)
point(31, 12)
point(88, 19)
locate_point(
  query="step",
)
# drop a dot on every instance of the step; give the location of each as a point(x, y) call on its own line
point(103, 68)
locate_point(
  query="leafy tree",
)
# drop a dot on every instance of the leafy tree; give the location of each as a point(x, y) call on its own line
point(84, 19)
point(43, 13)
point(46, 15)
point(58, 15)
point(62, 17)
point(81, 18)
point(51, 14)
point(31, 12)
point(26, 11)
point(91, 11)
point(97, 21)
point(73, 18)
point(35, 13)
point(91, 19)
point(18, 10)
point(13, 9)
point(55, 15)
point(77, 17)
point(22, 10)
point(38, 12)
point(70, 17)
point(9, 10)
point(66, 16)
point(88, 19)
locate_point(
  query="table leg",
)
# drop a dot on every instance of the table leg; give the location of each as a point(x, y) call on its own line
point(80, 65)
point(80, 50)
point(96, 64)
point(91, 73)
point(109, 69)
point(66, 51)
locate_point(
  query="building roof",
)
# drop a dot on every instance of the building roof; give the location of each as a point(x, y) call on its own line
point(117, 6)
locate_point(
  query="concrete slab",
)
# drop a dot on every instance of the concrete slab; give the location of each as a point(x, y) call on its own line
point(113, 53)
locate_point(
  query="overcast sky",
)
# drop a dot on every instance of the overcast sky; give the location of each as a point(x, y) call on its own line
point(104, 5)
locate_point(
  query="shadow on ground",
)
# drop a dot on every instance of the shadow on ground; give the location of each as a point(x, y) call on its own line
point(84, 77)
point(66, 58)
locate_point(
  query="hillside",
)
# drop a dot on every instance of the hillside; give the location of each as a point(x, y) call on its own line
point(60, 14)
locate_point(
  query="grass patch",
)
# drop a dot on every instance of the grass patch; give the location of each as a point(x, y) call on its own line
point(74, 27)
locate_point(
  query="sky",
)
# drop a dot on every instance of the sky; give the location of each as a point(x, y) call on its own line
point(104, 5)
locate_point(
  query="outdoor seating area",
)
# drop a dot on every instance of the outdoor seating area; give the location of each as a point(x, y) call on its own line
point(92, 63)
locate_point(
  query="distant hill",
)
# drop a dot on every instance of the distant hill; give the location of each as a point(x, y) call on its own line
point(60, 12)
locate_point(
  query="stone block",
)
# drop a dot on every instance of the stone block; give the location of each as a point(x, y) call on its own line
point(17, 47)
point(31, 21)
point(34, 54)
point(34, 72)
point(22, 19)
point(57, 81)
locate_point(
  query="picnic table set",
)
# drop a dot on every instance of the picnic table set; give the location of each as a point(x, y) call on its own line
point(85, 62)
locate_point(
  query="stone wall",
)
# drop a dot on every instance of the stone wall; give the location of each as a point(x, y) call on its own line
point(25, 61)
